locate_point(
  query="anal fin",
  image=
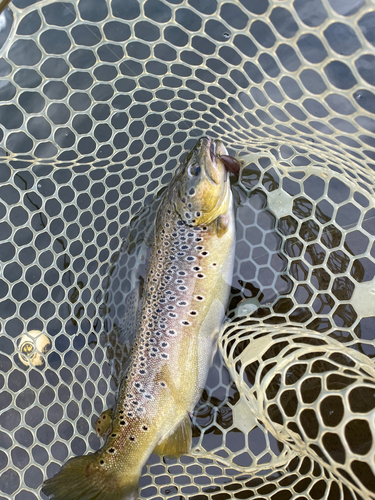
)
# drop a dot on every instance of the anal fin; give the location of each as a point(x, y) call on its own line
point(178, 443)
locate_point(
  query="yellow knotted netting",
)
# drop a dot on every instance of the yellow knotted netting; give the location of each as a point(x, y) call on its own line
point(98, 101)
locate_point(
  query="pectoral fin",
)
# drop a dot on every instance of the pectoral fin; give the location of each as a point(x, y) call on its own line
point(222, 225)
point(178, 443)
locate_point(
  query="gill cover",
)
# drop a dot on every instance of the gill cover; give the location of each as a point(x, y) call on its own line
point(200, 190)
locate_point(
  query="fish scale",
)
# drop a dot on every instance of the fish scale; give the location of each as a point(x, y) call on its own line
point(183, 264)
point(186, 289)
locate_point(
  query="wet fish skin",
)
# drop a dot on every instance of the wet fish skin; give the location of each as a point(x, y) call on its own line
point(3, 4)
point(186, 290)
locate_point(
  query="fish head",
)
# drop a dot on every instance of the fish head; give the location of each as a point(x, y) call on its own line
point(201, 189)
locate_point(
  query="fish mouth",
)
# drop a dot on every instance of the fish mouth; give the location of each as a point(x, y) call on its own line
point(209, 152)
point(212, 147)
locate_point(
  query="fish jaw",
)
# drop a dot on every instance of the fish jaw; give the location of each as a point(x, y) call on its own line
point(200, 190)
point(208, 156)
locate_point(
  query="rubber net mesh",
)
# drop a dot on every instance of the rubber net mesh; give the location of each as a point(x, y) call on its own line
point(99, 100)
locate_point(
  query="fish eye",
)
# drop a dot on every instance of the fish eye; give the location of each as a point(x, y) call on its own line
point(194, 170)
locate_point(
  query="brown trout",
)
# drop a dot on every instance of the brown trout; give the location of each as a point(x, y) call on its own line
point(186, 290)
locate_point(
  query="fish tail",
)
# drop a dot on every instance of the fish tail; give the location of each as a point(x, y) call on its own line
point(83, 478)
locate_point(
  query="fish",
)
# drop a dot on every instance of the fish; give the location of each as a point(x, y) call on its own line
point(3, 4)
point(186, 290)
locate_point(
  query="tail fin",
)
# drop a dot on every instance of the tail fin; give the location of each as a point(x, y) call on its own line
point(82, 478)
